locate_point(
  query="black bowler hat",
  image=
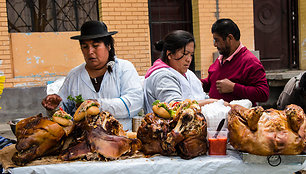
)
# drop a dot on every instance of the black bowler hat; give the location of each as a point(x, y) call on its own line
point(92, 30)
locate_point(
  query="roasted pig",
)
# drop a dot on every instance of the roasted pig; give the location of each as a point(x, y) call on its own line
point(267, 132)
point(37, 136)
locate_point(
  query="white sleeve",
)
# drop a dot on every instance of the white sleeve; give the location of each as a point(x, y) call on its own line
point(64, 92)
point(167, 87)
point(131, 94)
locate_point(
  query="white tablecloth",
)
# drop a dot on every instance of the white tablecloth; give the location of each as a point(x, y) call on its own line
point(230, 163)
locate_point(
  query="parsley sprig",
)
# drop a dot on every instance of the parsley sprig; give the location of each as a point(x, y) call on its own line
point(77, 99)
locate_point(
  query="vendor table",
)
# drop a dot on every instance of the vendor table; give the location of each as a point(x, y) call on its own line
point(231, 163)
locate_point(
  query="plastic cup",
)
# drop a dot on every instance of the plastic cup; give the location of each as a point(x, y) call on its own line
point(217, 144)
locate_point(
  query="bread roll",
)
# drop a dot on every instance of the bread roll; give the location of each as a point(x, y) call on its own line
point(86, 108)
point(62, 121)
point(160, 111)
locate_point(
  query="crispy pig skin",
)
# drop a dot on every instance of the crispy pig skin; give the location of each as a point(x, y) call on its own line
point(102, 136)
point(185, 135)
point(36, 136)
point(111, 146)
point(274, 132)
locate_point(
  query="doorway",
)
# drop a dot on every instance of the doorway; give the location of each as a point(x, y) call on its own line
point(276, 29)
point(166, 16)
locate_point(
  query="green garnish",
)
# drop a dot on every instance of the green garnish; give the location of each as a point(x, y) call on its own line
point(171, 112)
point(93, 104)
point(156, 102)
point(186, 106)
point(77, 99)
point(63, 116)
point(164, 106)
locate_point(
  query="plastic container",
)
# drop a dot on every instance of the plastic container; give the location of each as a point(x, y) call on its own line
point(136, 122)
point(217, 144)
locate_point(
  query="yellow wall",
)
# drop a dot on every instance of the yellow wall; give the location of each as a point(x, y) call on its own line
point(196, 34)
point(302, 33)
point(44, 54)
point(240, 11)
point(5, 48)
point(131, 19)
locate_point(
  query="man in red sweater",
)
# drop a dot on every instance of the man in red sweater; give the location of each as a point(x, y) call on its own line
point(237, 73)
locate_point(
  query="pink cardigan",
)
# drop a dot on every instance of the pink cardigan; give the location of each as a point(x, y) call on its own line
point(246, 71)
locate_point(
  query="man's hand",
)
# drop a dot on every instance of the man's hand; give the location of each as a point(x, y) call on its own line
point(50, 102)
point(225, 86)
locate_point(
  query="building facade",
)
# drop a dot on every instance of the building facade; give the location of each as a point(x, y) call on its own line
point(30, 59)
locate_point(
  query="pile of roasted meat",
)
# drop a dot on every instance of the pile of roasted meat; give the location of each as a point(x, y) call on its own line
point(92, 135)
point(177, 128)
point(267, 132)
point(183, 132)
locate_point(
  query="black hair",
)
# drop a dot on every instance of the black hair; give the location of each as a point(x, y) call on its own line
point(108, 42)
point(173, 41)
point(302, 84)
point(224, 27)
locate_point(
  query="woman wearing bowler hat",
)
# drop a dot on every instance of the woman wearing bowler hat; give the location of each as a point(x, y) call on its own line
point(112, 81)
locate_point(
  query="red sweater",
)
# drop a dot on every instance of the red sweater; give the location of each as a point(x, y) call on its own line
point(248, 74)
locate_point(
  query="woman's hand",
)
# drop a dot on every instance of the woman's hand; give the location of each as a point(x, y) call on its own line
point(51, 101)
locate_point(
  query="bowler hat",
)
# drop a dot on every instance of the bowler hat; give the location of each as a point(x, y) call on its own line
point(92, 30)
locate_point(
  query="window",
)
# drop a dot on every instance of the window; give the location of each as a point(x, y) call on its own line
point(49, 15)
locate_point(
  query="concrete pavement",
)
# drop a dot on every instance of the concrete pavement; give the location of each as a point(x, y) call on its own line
point(6, 132)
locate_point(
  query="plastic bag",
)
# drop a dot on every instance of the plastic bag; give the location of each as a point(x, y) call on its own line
point(214, 113)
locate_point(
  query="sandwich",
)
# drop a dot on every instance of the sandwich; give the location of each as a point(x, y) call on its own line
point(164, 109)
point(87, 108)
point(61, 117)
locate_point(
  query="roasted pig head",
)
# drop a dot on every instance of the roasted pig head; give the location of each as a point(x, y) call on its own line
point(36, 136)
point(194, 142)
point(189, 134)
point(101, 137)
point(267, 132)
point(152, 132)
point(184, 135)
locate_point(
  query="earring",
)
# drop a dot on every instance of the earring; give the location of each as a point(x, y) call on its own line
point(110, 64)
